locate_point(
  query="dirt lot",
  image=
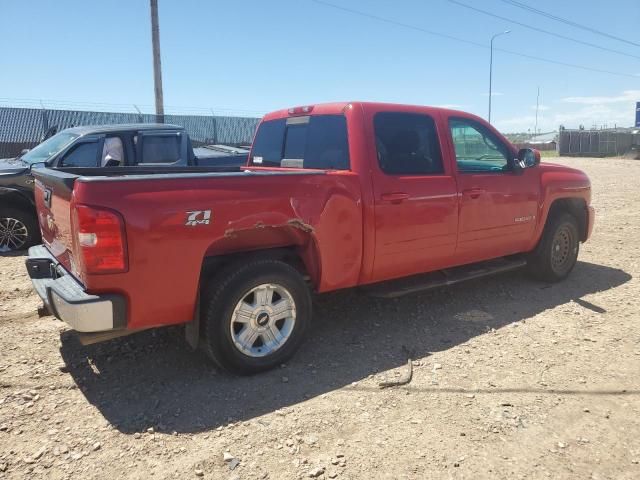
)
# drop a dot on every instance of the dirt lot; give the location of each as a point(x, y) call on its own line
point(512, 379)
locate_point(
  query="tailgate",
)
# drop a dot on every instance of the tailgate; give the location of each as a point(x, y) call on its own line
point(53, 192)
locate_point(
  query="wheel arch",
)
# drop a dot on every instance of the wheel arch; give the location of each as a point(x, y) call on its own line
point(577, 207)
point(12, 198)
point(303, 258)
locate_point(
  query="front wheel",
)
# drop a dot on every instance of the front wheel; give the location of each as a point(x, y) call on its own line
point(18, 229)
point(256, 316)
point(557, 253)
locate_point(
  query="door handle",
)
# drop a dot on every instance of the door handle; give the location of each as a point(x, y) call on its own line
point(395, 197)
point(474, 192)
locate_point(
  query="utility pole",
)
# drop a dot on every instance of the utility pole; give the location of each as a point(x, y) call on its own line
point(157, 67)
point(535, 130)
point(491, 67)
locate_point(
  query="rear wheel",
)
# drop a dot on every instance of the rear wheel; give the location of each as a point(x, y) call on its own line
point(557, 253)
point(18, 229)
point(255, 316)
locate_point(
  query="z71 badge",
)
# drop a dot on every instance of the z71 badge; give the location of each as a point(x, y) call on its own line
point(198, 217)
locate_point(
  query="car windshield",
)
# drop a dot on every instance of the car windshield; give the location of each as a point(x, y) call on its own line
point(49, 147)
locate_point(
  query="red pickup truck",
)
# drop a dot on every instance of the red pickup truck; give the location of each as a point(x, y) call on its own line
point(390, 198)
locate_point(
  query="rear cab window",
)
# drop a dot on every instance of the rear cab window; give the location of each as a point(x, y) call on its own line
point(159, 148)
point(312, 141)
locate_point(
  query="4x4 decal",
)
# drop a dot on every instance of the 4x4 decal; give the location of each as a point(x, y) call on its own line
point(198, 217)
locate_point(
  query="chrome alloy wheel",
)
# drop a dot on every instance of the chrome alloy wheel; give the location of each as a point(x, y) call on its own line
point(263, 320)
point(13, 234)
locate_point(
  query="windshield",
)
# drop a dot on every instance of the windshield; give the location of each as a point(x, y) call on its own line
point(49, 148)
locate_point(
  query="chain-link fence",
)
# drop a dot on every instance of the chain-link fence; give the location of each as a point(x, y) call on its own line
point(23, 127)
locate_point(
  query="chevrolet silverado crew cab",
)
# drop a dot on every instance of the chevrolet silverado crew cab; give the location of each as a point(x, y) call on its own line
point(388, 198)
point(145, 146)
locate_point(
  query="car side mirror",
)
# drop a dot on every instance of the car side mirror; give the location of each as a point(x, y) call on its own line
point(23, 151)
point(528, 157)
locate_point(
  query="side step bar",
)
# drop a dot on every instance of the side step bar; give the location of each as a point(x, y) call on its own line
point(441, 278)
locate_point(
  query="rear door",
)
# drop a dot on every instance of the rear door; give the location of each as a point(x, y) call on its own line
point(498, 204)
point(416, 210)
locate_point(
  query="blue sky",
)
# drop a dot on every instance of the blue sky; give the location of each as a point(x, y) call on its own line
point(250, 56)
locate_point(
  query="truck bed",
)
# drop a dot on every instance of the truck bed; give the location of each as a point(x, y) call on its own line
point(66, 177)
point(176, 218)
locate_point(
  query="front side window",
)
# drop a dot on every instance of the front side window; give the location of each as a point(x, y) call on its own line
point(82, 155)
point(477, 149)
point(316, 142)
point(407, 144)
point(160, 149)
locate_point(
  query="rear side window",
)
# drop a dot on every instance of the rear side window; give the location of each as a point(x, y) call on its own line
point(160, 149)
point(407, 144)
point(83, 155)
point(318, 142)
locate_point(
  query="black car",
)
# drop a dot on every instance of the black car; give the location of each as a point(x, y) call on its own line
point(147, 146)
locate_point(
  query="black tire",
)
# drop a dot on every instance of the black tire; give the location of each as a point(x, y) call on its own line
point(24, 229)
point(223, 294)
point(557, 252)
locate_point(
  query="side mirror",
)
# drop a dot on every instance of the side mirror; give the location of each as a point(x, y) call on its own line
point(528, 157)
point(23, 151)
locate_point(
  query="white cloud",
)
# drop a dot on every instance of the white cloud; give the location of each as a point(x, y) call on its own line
point(521, 123)
point(542, 108)
point(597, 115)
point(575, 111)
point(627, 96)
point(588, 115)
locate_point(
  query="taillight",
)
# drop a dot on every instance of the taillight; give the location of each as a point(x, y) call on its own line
point(100, 240)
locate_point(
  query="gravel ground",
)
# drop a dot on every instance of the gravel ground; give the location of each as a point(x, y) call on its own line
point(511, 379)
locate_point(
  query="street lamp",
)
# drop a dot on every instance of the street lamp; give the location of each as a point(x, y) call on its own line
point(491, 67)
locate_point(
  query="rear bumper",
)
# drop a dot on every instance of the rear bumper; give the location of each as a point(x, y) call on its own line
point(591, 216)
point(66, 298)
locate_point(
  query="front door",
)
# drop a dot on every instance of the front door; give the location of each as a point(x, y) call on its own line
point(416, 210)
point(498, 204)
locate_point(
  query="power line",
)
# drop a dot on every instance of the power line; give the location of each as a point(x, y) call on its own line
point(525, 25)
point(568, 22)
point(469, 42)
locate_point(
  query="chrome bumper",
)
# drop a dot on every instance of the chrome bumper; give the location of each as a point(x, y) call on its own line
point(66, 298)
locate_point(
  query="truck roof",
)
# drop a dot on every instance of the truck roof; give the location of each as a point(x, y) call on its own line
point(336, 108)
point(119, 127)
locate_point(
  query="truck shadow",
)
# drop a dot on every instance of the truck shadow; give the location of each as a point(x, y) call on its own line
point(14, 253)
point(153, 379)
